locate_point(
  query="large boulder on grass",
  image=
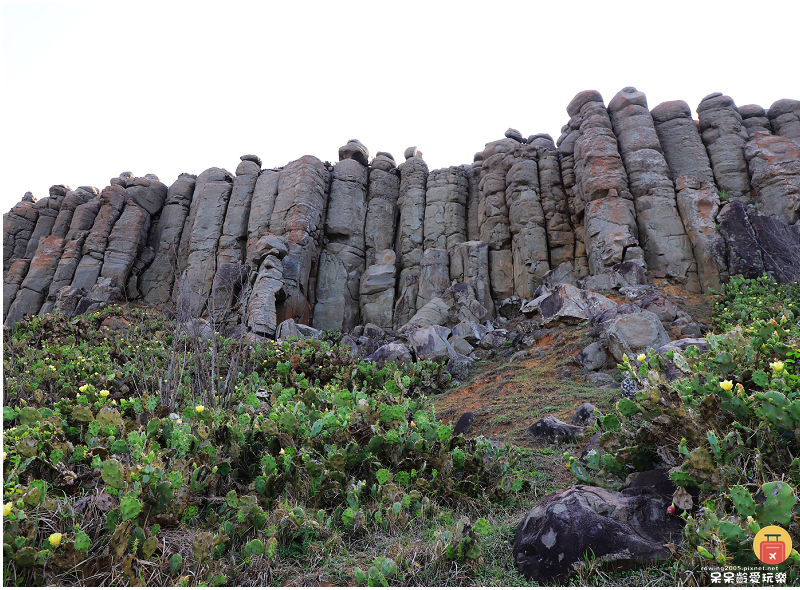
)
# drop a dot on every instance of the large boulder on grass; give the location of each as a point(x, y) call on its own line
point(619, 529)
point(635, 333)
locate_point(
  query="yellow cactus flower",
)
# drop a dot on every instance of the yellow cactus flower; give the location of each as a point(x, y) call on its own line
point(283, 452)
point(727, 385)
point(750, 520)
point(777, 366)
point(641, 358)
point(199, 409)
point(4, 456)
point(6, 509)
point(104, 393)
point(83, 388)
point(55, 539)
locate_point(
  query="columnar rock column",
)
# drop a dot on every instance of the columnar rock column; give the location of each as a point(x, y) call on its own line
point(406, 305)
point(233, 241)
point(382, 194)
point(434, 275)
point(18, 226)
point(112, 199)
point(784, 118)
point(755, 120)
point(298, 214)
point(262, 205)
point(473, 173)
point(72, 200)
point(498, 157)
point(206, 217)
point(445, 208)
point(469, 263)
point(377, 290)
point(566, 150)
point(128, 239)
point(157, 280)
point(267, 293)
point(343, 256)
point(410, 231)
point(601, 184)
point(48, 209)
point(681, 143)
point(527, 222)
point(34, 287)
point(724, 137)
point(661, 233)
point(775, 171)
point(560, 236)
point(12, 280)
point(64, 271)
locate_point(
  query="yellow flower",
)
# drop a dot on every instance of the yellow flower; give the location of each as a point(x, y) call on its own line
point(199, 409)
point(750, 520)
point(6, 509)
point(727, 385)
point(55, 539)
point(104, 393)
point(83, 388)
point(641, 358)
point(283, 452)
point(777, 366)
point(4, 456)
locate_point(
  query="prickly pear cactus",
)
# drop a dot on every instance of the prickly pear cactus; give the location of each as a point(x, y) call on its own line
point(113, 474)
point(778, 505)
point(743, 501)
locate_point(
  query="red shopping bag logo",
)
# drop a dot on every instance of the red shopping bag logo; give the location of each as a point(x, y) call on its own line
point(772, 545)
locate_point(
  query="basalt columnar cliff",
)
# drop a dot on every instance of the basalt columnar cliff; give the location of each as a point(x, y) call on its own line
point(368, 241)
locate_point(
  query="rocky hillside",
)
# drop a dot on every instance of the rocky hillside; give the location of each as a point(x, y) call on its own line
point(369, 242)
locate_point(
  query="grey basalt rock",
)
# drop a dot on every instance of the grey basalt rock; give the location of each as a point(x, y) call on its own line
point(774, 163)
point(681, 143)
point(572, 305)
point(405, 307)
point(124, 243)
point(18, 226)
point(158, 278)
point(699, 205)
point(553, 428)
point(48, 210)
point(12, 279)
point(743, 252)
point(755, 120)
point(72, 200)
point(268, 289)
point(560, 235)
point(354, 150)
point(610, 233)
point(342, 261)
point(64, 271)
point(469, 263)
point(298, 214)
point(473, 174)
point(446, 195)
point(635, 333)
point(410, 226)
point(784, 118)
point(112, 199)
point(622, 530)
point(34, 288)
point(724, 136)
point(430, 343)
point(377, 289)
point(526, 217)
point(493, 215)
point(262, 204)
point(232, 247)
point(394, 352)
point(779, 244)
point(584, 415)
point(381, 219)
point(434, 275)
point(662, 235)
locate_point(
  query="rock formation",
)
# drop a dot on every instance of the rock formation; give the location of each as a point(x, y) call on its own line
point(628, 194)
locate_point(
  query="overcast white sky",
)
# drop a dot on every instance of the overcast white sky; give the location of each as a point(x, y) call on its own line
point(91, 90)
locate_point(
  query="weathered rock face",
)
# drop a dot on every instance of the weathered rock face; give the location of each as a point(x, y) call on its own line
point(572, 305)
point(526, 222)
point(298, 216)
point(560, 235)
point(469, 263)
point(377, 291)
point(681, 143)
point(622, 529)
point(18, 226)
point(158, 279)
point(627, 192)
point(445, 208)
point(635, 333)
point(381, 219)
point(343, 257)
point(206, 217)
point(724, 137)
point(774, 163)
point(661, 233)
point(784, 118)
point(410, 231)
